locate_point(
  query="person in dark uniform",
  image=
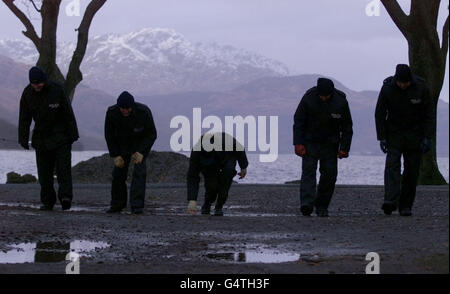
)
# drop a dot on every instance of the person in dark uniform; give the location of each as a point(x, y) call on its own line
point(55, 130)
point(218, 167)
point(130, 133)
point(323, 132)
point(404, 119)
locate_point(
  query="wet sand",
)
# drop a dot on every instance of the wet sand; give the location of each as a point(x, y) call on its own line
point(261, 232)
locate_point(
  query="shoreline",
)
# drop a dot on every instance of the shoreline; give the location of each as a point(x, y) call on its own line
point(234, 185)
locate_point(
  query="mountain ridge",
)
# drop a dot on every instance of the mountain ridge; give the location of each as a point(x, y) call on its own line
point(173, 63)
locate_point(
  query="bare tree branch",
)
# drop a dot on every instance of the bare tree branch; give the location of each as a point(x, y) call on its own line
point(30, 32)
point(74, 75)
point(35, 7)
point(47, 58)
point(424, 16)
point(444, 47)
point(426, 11)
point(397, 14)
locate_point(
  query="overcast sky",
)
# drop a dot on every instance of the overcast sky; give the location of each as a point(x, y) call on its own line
point(329, 37)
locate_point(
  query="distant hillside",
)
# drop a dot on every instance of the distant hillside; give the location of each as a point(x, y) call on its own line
point(268, 96)
point(166, 58)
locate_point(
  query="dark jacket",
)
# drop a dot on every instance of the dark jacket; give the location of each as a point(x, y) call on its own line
point(404, 116)
point(55, 123)
point(127, 135)
point(329, 122)
point(212, 162)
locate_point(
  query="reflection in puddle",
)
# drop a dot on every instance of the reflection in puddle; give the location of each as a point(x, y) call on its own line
point(45, 252)
point(260, 256)
point(230, 214)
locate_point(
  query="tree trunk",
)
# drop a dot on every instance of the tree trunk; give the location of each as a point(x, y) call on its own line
point(47, 56)
point(427, 59)
point(47, 43)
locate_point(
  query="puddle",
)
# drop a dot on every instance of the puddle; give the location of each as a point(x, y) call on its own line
point(256, 214)
point(259, 256)
point(226, 214)
point(229, 210)
point(162, 211)
point(47, 252)
point(73, 208)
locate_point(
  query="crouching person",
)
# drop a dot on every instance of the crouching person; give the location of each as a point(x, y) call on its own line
point(130, 133)
point(215, 157)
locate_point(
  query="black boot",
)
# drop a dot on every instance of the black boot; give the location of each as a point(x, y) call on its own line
point(114, 210)
point(306, 210)
point(66, 204)
point(218, 211)
point(45, 207)
point(322, 212)
point(405, 212)
point(206, 209)
point(137, 211)
point(388, 208)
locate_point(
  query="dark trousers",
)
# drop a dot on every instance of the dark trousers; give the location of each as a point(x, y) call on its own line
point(137, 189)
point(401, 190)
point(47, 160)
point(320, 196)
point(218, 183)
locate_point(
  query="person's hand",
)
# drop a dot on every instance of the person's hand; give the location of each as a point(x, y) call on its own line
point(25, 145)
point(383, 146)
point(137, 158)
point(342, 154)
point(242, 173)
point(119, 162)
point(300, 150)
point(425, 146)
point(192, 207)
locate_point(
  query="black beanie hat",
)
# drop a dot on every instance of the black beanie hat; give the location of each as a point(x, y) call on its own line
point(37, 75)
point(325, 86)
point(125, 100)
point(403, 73)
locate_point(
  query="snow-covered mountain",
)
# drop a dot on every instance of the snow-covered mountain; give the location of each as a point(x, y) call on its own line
point(154, 61)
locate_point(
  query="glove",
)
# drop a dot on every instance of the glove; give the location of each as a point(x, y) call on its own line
point(342, 154)
point(243, 173)
point(118, 162)
point(383, 146)
point(300, 150)
point(137, 158)
point(425, 146)
point(192, 207)
point(25, 146)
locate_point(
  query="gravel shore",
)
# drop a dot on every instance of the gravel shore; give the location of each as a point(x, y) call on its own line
point(261, 232)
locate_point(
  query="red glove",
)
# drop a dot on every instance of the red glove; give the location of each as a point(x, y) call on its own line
point(342, 154)
point(300, 150)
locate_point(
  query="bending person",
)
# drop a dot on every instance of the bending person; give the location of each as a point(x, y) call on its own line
point(215, 157)
point(130, 133)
